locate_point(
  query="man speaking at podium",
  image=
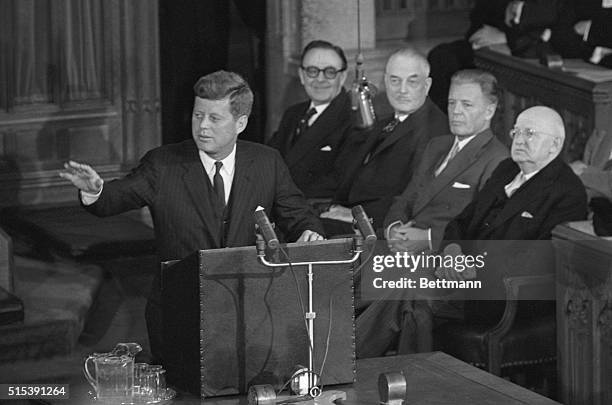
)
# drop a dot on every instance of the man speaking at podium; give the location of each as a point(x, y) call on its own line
point(202, 192)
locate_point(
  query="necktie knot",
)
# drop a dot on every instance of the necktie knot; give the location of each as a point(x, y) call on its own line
point(391, 125)
point(311, 111)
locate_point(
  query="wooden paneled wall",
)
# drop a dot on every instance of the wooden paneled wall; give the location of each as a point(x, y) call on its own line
point(81, 82)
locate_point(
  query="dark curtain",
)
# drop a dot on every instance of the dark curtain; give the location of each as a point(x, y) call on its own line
point(194, 41)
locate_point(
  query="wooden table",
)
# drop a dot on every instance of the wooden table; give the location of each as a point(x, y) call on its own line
point(581, 93)
point(433, 379)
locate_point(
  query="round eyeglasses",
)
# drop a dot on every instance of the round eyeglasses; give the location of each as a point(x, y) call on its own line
point(527, 133)
point(329, 72)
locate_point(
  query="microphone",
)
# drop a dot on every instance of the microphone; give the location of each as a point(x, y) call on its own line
point(363, 223)
point(265, 228)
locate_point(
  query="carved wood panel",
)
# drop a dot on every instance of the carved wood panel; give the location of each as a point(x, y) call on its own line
point(584, 317)
point(583, 103)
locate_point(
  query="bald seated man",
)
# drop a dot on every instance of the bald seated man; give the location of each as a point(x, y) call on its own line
point(529, 194)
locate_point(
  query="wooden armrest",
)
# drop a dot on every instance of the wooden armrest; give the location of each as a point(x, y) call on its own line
point(517, 286)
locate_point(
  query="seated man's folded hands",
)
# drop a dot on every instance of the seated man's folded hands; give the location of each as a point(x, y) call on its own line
point(404, 237)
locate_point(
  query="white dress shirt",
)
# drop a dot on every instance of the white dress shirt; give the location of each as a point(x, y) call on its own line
point(518, 181)
point(319, 110)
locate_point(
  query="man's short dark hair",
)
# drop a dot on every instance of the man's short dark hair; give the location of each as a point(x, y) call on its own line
point(320, 44)
point(222, 84)
point(486, 81)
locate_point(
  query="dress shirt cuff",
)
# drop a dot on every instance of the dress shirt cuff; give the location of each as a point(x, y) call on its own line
point(388, 229)
point(598, 53)
point(585, 36)
point(429, 238)
point(90, 198)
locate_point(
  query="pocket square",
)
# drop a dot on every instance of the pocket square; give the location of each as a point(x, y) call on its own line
point(326, 148)
point(461, 185)
point(526, 214)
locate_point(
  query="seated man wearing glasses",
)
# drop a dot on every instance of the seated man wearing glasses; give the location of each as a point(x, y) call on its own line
point(529, 194)
point(311, 134)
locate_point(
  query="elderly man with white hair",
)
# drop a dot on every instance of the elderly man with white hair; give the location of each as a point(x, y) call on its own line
point(529, 194)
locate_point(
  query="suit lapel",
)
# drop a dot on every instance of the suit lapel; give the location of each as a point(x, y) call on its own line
point(533, 189)
point(460, 163)
point(240, 190)
point(440, 148)
point(194, 178)
point(288, 140)
point(320, 129)
point(401, 130)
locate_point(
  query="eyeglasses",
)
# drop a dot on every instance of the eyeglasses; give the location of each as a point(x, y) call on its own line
point(329, 72)
point(527, 133)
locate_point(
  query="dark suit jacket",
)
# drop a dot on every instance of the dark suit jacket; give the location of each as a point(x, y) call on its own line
point(433, 201)
point(391, 163)
point(566, 42)
point(554, 195)
point(172, 182)
point(312, 158)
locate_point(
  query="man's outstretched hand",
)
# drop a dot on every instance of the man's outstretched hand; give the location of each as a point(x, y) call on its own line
point(82, 176)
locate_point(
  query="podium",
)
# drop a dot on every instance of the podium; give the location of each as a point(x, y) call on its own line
point(230, 322)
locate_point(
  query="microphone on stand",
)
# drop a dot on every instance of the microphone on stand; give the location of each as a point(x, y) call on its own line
point(364, 224)
point(265, 228)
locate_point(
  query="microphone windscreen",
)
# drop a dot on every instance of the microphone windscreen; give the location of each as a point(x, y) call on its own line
point(363, 223)
point(265, 228)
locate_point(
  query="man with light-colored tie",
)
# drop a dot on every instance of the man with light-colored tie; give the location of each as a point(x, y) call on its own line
point(451, 172)
point(453, 168)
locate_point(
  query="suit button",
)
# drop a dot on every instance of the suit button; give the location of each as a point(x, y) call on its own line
point(486, 224)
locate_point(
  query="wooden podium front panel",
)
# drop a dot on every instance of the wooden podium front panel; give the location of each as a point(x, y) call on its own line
point(251, 325)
